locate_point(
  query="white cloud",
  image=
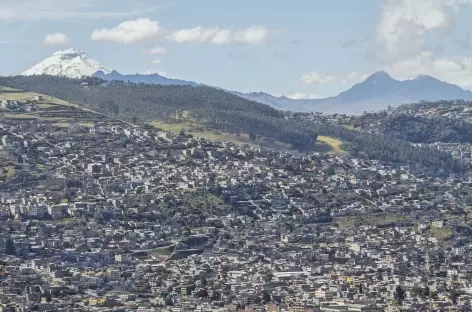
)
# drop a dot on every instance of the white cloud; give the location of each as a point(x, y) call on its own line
point(154, 71)
point(156, 50)
point(333, 77)
point(404, 24)
point(19, 10)
point(316, 78)
point(456, 70)
point(157, 61)
point(215, 35)
point(56, 39)
point(300, 95)
point(129, 32)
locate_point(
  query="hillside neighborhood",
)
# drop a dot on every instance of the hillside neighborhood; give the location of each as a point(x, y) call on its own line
point(235, 156)
point(105, 216)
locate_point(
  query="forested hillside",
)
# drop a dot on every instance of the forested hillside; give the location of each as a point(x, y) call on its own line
point(149, 102)
point(418, 129)
point(225, 111)
point(426, 122)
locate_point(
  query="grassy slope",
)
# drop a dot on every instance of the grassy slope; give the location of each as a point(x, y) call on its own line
point(213, 134)
point(378, 219)
point(334, 145)
point(443, 233)
point(325, 144)
point(48, 102)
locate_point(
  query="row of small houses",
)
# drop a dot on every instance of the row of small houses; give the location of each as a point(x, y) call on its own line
point(12, 104)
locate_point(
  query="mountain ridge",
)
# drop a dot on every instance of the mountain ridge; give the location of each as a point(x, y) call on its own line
point(376, 92)
point(142, 78)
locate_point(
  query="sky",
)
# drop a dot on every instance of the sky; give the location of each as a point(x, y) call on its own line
point(301, 49)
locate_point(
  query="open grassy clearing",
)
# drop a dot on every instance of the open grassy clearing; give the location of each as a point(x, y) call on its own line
point(330, 144)
point(7, 165)
point(171, 126)
point(64, 123)
point(16, 96)
point(7, 89)
point(324, 145)
point(46, 105)
point(33, 116)
point(215, 135)
point(19, 116)
point(9, 171)
point(373, 220)
point(442, 233)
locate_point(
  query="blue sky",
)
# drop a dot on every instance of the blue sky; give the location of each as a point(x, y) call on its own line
point(303, 48)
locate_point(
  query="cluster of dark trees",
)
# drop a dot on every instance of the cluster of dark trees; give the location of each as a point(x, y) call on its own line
point(419, 129)
point(408, 123)
point(223, 110)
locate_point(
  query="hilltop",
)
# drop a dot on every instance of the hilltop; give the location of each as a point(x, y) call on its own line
point(71, 63)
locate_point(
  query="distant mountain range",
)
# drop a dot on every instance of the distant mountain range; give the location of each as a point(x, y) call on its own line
point(375, 93)
point(137, 78)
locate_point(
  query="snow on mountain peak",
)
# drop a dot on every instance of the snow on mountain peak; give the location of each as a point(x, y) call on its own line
point(67, 52)
point(70, 63)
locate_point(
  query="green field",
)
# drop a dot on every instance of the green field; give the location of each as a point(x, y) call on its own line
point(441, 233)
point(330, 145)
point(200, 131)
point(378, 219)
point(15, 96)
point(47, 103)
point(324, 145)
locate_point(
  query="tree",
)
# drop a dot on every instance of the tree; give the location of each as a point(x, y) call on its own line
point(399, 294)
point(202, 293)
point(454, 295)
point(266, 297)
point(10, 248)
point(268, 277)
point(417, 291)
point(169, 301)
point(426, 291)
point(215, 296)
point(187, 232)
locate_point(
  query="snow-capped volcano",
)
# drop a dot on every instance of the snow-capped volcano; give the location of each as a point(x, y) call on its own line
point(71, 63)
